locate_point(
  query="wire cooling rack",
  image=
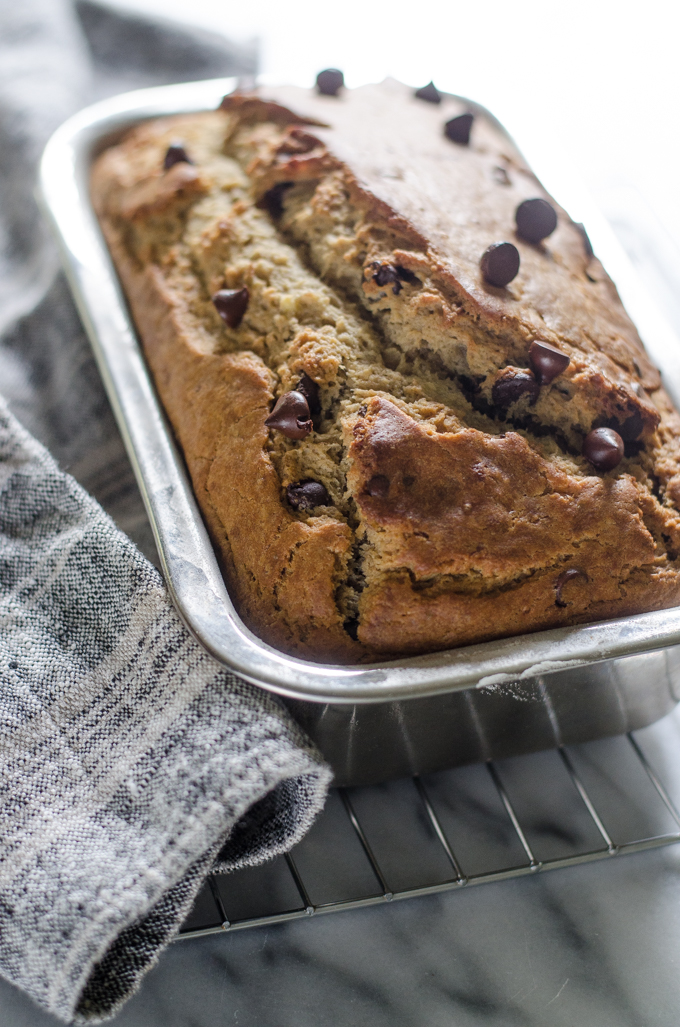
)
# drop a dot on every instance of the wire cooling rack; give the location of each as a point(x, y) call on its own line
point(462, 827)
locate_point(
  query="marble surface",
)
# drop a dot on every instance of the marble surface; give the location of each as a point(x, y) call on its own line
point(595, 945)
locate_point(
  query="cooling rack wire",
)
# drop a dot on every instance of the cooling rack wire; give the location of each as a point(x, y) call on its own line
point(462, 827)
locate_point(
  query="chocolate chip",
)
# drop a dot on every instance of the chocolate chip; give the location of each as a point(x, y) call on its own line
point(603, 448)
point(587, 245)
point(458, 129)
point(176, 154)
point(393, 274)
point(429, 93)
point(546, 361)
point(303, 495)
point(564, 577)
point(378, 486)
point(386, 274)
point(330, 81)
point(535, 220)
point(272, 201)
point(500, 263)
point(231, 305)
point(511, 384)
point(290, 416)
point(310, 390)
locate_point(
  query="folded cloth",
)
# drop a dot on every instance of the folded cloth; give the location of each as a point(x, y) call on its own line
point(131, 763)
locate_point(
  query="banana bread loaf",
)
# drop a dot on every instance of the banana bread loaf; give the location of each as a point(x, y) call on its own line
point(414, 410)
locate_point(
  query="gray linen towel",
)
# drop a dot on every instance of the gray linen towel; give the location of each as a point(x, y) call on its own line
point(130, 762)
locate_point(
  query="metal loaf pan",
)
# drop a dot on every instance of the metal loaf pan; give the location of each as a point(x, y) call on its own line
point(385, 720)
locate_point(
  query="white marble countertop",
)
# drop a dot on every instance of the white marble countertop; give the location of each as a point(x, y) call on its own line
point(595, 945)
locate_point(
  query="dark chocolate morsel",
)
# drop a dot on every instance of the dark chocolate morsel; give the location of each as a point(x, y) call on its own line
point(330, 81)
point(603, 448)
point(303, 495)
point(290, 416)
point(546, 361)
point(272, 201)
point(231, 305)
point(587, 245)
point(458, 129)
point(378, 486)
point(384, 274)
point(513, 383)
point(429, 93)
point(176, 154)
point(310, 390)
point(535, 220)
point(564, 577)
point(387, 274)
point(500, 263)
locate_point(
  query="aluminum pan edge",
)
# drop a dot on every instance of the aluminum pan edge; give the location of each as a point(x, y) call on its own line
point(187, 557)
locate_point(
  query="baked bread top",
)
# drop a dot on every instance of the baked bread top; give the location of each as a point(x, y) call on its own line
point(428, 477)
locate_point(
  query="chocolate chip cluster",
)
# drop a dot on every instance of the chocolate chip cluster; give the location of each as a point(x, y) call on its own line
point(546, 362)
point(535, 220)
point(602, 447)
point(293, 415)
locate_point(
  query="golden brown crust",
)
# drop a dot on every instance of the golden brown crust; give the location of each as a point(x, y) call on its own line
point(286, 570)
point(450, 520)
point(442, 197)
point(482, 523)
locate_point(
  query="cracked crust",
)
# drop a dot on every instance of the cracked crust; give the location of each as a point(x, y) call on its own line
point(357, 229)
